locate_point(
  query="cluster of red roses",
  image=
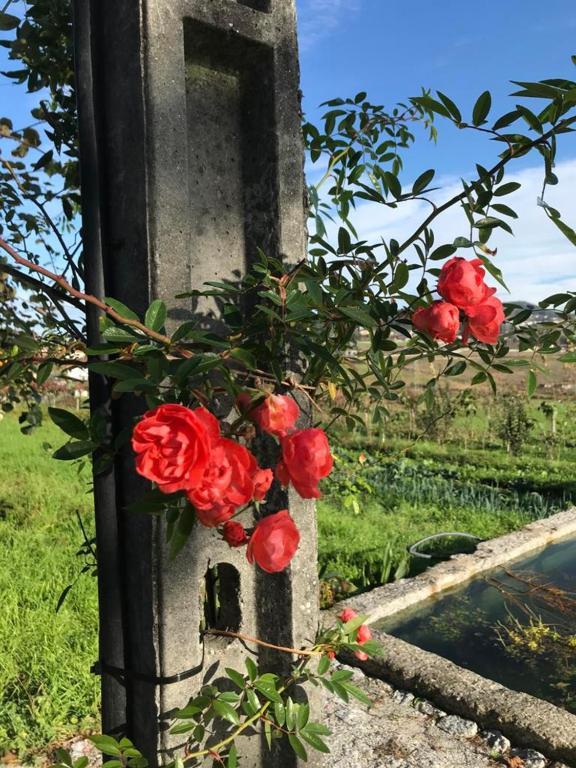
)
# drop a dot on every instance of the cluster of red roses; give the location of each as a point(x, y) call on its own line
point(183, 451)
point(461, 285)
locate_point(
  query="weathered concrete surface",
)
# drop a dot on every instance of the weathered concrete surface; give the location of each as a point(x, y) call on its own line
point(192, 160)
point(394, 735)
point(390, 599)
point(527, 721)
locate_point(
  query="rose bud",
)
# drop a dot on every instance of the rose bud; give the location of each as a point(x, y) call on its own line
point(306, 459)
point(440, 320)
point(462, 283)
point(234, 534)
point(173, 446)
point(274, 542)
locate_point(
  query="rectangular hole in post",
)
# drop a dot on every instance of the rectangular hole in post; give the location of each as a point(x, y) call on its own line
point(232, 150)
point(257, 5)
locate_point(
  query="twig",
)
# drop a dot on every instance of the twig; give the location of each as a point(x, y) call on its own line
point(458, 198)
point(238, 636)
point(88, 298)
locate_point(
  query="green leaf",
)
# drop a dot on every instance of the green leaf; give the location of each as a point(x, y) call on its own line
point(357, 693)
point(44, 373)
point(443, 252)
point(482, 108)
point(73, 451)
point(450, 106)
point(564, 228)
point(7, 22)
point(569, 357)
point(455, 369)
point(532, 383)
point(121, 309)
point(238, 679)
point(69, 423)
point(324, 665)
point(232, 761)
point(506, 189)
point(251, 668)
point(297, 746)
point(182, 530)
point(107, 745)
point(116, 370)
point(280, 713)
point(352, 626)
point(315, 742)
point(359, 315)
point(226, 712)
point(156, 315)
point(423, 181)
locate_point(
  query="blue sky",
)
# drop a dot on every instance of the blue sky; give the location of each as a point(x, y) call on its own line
point(390, 50)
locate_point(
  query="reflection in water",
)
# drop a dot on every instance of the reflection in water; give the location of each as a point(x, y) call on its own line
point(516, 626)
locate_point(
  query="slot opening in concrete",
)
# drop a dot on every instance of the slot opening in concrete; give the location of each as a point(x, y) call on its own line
point(222, 614)
point(257, 5)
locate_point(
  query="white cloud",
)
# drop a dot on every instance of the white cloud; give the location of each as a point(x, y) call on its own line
point(317, 19)
point(536, 262)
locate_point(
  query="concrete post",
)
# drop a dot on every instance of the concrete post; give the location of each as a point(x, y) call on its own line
point(191, 160)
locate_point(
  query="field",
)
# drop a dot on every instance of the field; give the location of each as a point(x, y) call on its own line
point(389, 489)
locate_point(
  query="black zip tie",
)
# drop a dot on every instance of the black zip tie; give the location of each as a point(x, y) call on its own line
point(101, 668)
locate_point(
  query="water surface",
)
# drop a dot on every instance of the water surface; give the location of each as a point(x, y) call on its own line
point(515, 625)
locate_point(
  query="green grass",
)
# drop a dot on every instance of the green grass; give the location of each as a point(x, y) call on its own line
point(377, 507)
point(46, 689)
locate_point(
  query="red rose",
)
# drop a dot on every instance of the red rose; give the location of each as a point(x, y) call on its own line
point(234, 534)
point(347, 615)
point(277, 415)
point(462, 283)
point(274, 542)
point(306, 459)
point(226, 485)
point(173, 446)
point(262, 482)
point(485, 320)
point(440, 320)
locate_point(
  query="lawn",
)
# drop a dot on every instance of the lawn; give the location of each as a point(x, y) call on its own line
point(386, 492)
point(46, 688)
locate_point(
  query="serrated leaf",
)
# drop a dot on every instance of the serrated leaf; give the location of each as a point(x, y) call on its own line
point(232, 759)
point(323, 665)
